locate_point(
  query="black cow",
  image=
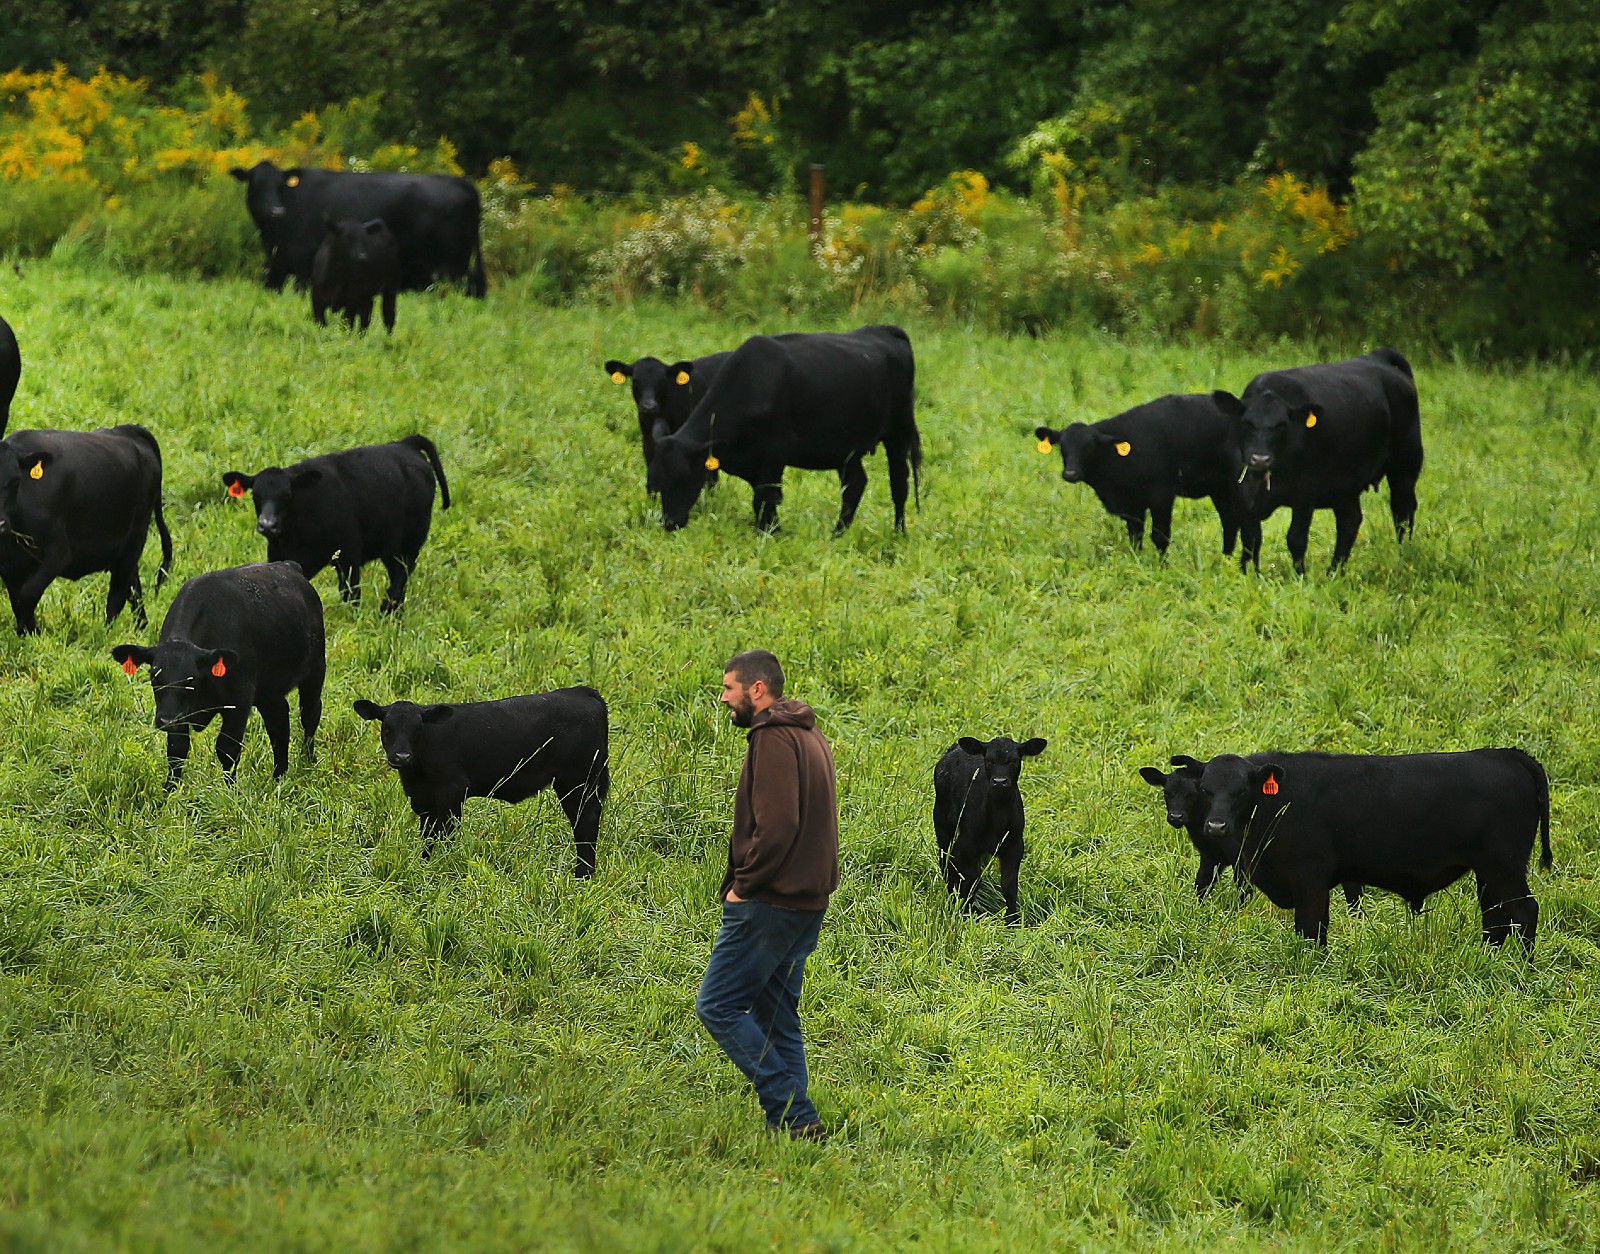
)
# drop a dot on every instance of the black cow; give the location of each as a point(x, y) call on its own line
point(1316, 437)
point(1299, 823)
point(10, 371)
point(507, 749)
point(74, 503)
point(357, 262)
point(1188, 808)
point(373, 503)
point(665, 395)
point(1143, 459)
point(978, 815)
point(815, 401)
point(235, 639)
point(435, 219)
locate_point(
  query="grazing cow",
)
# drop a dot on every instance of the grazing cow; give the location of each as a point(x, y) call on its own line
point(10, 371)
point(435, 219)
point(373, 503)
point(1188, 807)
point(235, 639)
point(74, 503)
point(977, 814)
point(1316, 437)
point(665, 395)
point(1299, 823)
point(507, 749)
point(1143, 459)
point(357, 262)
point(815, 401)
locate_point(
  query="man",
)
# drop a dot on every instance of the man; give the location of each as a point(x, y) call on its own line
point(783, 862)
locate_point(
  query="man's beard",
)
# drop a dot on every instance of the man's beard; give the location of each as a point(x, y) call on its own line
point(743, 713)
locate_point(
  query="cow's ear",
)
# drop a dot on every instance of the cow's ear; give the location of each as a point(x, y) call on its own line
point(1034, 747)
point(681, 373)
point(1266, 778)
point(34, 466)
point(1192, 765)
point(236, 483)
point(369, 710)
point(437, 713)
point(1152, 775)
point(305, 477)
point(1228, 403)
point(132, 656)
point(219, 663)
point(240, 173)
point(970, 744)
point(618, 370)
point(1302, 416)
point(1046, 436)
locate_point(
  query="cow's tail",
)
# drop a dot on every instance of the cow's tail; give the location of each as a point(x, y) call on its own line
point(916, 466)
point(1542, 785)
point(425, 446)
point(147, 437)
point(477, 284)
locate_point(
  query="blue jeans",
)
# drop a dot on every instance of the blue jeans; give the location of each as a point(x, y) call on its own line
point(750, 1002)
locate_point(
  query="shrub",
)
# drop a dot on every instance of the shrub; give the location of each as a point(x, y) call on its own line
point(36, 213)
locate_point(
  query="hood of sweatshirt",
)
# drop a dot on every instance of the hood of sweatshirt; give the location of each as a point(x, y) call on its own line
point(785, 713)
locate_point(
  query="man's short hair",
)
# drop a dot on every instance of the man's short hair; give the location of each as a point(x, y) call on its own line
point(754, 664)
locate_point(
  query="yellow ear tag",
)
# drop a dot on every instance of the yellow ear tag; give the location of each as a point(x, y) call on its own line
point(293, 180)
point(618, 377)
point(1124, 448)
point(1311, 420)
point(1043, 446)
point(37, 472)
point(683, 377)
point(712, 463)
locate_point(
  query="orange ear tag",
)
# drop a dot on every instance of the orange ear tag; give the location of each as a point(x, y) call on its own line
point(236, 488)
point(1270, 788)
point(1124, 448)
point(618, 377)
point(219, 669)
point(712, 463)
point(1311, 420)
point(683, 377)
point(130, 667)
point(293, 180)
point(1043, 446)
point(37, 472)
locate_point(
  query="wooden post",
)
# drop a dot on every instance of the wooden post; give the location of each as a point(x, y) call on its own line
point(818, 185)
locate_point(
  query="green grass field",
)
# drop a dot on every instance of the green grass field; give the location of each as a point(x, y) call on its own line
point(249, 1016)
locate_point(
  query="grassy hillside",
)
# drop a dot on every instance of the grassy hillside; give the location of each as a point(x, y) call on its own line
point(249, 1015)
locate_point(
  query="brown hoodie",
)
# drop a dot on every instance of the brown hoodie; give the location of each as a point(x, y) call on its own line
point(784, 848)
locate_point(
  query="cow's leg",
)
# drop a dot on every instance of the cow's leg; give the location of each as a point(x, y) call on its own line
point(364, 313)
point(899, 458)
point(1352, 896)
point(582, 803)
point(1299, 536)
point(1311, 914)
point(399, 572)
point(1230, 525)
point(230, 739)
point(311, 712)
point(177, 753)
point(54, 558)
point(1206, 877)
point(852, 483)
point(766, 495)
point(1250, 545)
point(1347, 522)
point(1403, 504)
point(388, 310)
point(438, 824)
point(1161, 524)
point(275, 716)
point(1010, 856)
point(319, 311)
point(349, 574)
point(1135, 524)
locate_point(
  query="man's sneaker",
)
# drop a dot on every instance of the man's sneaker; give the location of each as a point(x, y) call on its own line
point(817, 1132)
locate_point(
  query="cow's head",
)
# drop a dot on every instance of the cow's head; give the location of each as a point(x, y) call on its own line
point(352, 238)
point(1232, 788)
point(273, 491)
point(1180, 789)
point(269, 192)
point(678, 472)
point(1002, 758)
point(659, 389)
point(14, 471)
point(1082, 449)
point(401, 726)
point(191, 685)
point(1272, 434)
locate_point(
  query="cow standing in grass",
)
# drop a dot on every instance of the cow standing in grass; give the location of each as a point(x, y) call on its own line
point(1299, 823)
point(664, 396)
point(508, 750)
point(1316, 437)
point(74, 503)
point(978, 814)
point(813, 401)
point(236, 640)
point(356, 264)
point(373, 503)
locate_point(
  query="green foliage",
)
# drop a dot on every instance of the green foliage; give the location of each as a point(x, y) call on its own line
point(174, 228)
point(36, 213)
point(249, 1015)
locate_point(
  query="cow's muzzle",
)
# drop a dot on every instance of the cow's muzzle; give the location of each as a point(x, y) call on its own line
point(269, 527)
point(397, 760)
